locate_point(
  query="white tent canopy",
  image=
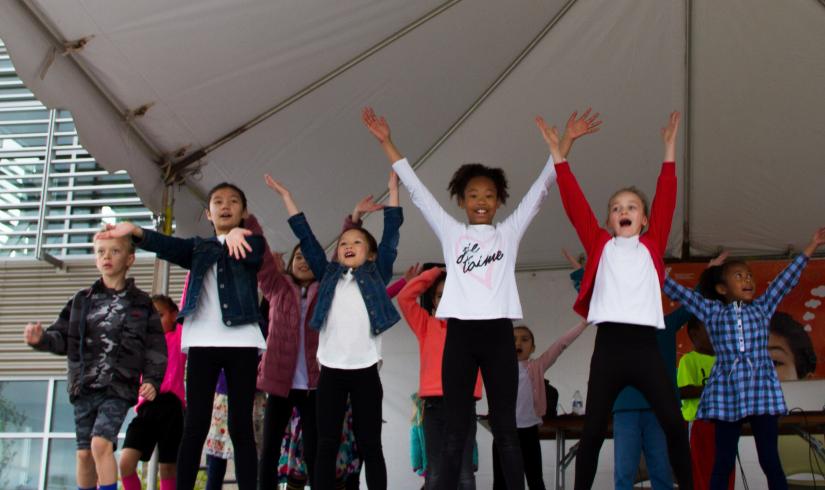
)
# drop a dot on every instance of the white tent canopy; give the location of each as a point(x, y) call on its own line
point(459, 81)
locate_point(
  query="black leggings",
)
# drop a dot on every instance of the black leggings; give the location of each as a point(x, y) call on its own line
point(363, 386)
point(530, 453)
point(765, 433)
point(276, 418)
point(628, 355)
point(240, 364)
point(470, 345)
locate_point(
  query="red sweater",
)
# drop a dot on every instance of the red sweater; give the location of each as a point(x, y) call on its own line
point(431, 333)
point(593, 237)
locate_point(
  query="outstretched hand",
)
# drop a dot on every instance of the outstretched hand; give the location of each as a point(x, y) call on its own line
point(412, 272)
point(236, 243)
point(669, 132)
point(276, 186)
point(816, 241)
point(577, 127)
point(122, 229)
point(364, 206)
point(378, 126)
point(719, 259)
point(551, 137)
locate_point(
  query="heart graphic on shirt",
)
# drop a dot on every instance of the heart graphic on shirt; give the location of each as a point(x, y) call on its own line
point(475, 255)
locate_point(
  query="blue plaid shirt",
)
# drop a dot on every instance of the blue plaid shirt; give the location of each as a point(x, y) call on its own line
point(743, 381)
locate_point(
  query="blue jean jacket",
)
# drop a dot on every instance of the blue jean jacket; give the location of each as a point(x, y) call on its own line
point(372, 277)
point(237, 279)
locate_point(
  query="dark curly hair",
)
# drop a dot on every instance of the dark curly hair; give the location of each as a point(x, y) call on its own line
point(713, 276)
point(799, 341)
point(468, 171)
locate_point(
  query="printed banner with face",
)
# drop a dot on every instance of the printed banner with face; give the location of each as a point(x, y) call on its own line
point(797, 329)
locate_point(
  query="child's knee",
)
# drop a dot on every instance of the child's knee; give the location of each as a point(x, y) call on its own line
point(84, 457)
point(102, 447)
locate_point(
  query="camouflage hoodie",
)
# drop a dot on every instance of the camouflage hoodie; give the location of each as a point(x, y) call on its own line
point(109, 350)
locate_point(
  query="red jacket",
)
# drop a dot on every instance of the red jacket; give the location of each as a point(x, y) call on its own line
point(431, 333)
point(277, 366)
point(593, 237)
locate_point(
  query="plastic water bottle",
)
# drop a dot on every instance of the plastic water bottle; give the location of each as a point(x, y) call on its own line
point(578, 404)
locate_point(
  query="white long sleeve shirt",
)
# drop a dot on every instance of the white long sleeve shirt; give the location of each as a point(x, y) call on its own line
point(480, 259)
point(627, 286)
point(346, 341)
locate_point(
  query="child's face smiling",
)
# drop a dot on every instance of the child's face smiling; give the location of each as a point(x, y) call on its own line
point(738, 284)
point(226, 210)
point(626, 216)
point(112, 257)
point(353, 249)
point(300, 268)
point(524, 344)
point(480, 200)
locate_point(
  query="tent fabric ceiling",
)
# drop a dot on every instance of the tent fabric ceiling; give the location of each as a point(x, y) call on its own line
point(754, 103)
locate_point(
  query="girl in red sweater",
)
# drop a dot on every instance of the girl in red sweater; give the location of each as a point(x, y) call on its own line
point(622, 296)
point(431, 333)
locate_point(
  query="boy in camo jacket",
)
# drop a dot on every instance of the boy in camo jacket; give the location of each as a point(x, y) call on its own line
point(112, 336)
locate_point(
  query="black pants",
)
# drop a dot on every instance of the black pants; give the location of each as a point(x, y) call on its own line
point(240, 364)
point(363, 387)
point(470, 345)
point(215, 472)
point(530, 452)
point(628, 355)
point(765, 434)
point(435, 430)
point(277, 415)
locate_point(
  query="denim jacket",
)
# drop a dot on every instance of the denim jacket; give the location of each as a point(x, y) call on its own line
point(237, 278)
point(372, 277)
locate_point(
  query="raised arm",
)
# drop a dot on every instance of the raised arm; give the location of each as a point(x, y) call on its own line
point(170, 248)
point(692, 301)
point(271, 275)
point(549, 357)
point(664, 202)
point(421, 197)
point(379, 128)
point(310, 247)
point(388, 248)
point(413, 313)
point(783, 283)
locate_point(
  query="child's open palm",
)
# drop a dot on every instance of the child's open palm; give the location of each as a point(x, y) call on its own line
point(550, 134)
point(276, 185)
point(669, 131)
point(377, 125)
point(124, 228)
point(579, 126)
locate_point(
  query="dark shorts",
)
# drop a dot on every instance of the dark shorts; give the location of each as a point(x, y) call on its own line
point(97, 414)
point(158, 422)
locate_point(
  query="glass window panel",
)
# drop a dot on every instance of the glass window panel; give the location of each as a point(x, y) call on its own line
point(20, 463)
point(22, 406)
point(60, 475)
point(28, 115)
point(65, 127)
point(62, 410)
point(22, 143)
